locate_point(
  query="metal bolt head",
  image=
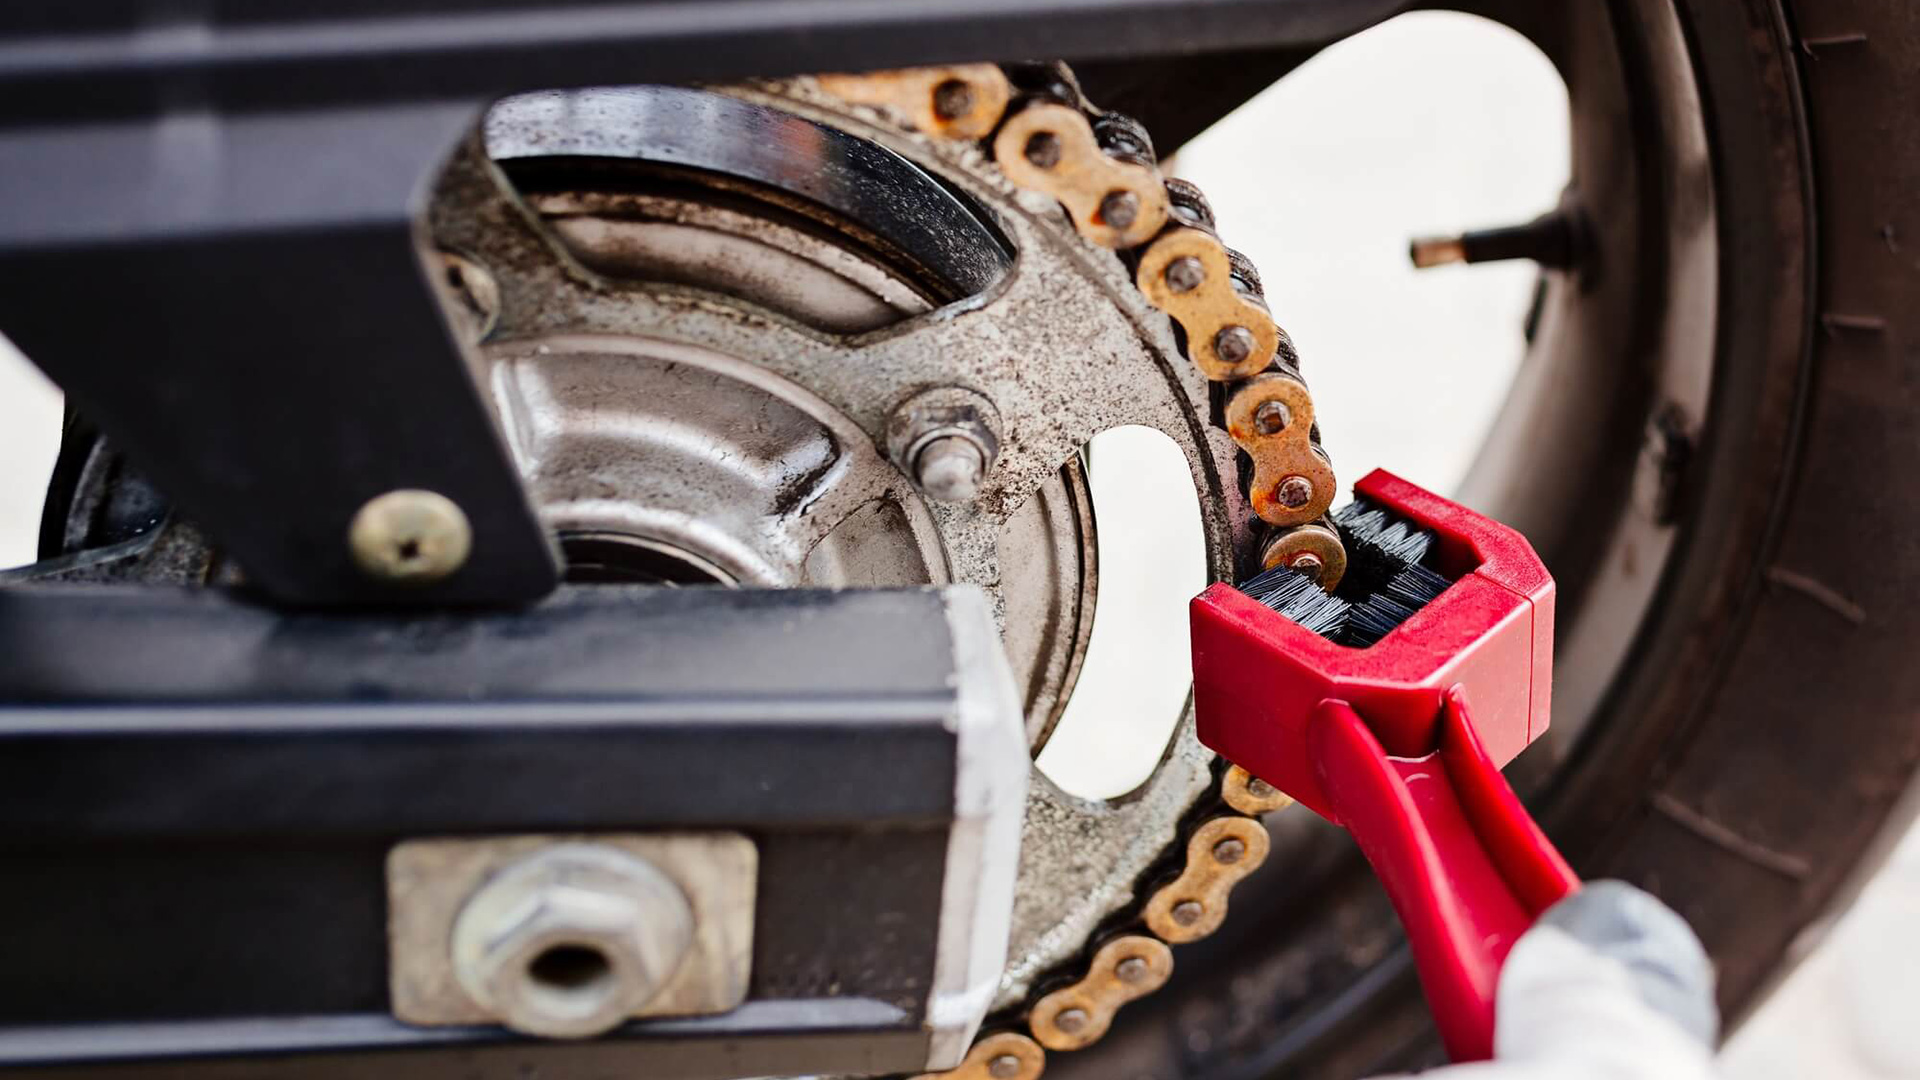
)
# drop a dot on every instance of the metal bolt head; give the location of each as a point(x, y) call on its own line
point(1229, 851)
point(409, 537)
point(1132, 969)
point(1294, 492)
point(1187, 912)
point(1233, 344)
point(950, 468)
point(1119, 209)
point(1184, 274)
point(952, 99)
point(1043, 150)
point(571, 940)
point(1071, 1021)
point(1003, 1067)
point(1272, 417)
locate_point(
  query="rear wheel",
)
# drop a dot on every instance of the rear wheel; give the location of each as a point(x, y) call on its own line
point(1705, 453)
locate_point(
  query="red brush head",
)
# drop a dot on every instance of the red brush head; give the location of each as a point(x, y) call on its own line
point(1258, 676)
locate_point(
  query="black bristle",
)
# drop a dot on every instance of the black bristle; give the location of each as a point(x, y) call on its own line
point(1385, 580)
point(1416, 586)
point(1379, 544)
point(1300, 598)
point(1405, 593)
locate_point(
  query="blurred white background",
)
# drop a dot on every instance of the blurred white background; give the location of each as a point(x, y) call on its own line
point(1322, 180)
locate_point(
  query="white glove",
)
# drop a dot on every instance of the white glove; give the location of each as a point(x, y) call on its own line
point(1609, 984)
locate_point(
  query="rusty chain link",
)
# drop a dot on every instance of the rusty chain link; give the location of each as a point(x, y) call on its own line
point(1100, 167)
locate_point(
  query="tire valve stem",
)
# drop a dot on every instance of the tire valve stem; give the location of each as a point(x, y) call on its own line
point(1554, 240)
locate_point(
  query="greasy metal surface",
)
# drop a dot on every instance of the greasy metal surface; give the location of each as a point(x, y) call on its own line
point(757, 257)
point(1062, 345)
point(429, 883)
point(679, 126)
point(1124, 969)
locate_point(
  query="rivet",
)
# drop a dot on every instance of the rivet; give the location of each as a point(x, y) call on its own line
point(1233, 344)
point(1043, 150)
point(1294, 492)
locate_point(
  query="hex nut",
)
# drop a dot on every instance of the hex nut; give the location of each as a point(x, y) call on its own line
point(944, 439)
point(950, 467)
point(571, 940)
point(409, 537)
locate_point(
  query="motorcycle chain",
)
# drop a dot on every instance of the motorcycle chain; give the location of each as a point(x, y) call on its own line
point(1045, 136)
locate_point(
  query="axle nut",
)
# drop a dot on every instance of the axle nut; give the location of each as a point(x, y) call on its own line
point(570, 941)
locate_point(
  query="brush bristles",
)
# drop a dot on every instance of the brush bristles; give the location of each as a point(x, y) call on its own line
point(1384, 573)
point(1379, 544)
point(1407, 592)
point(1301, 599)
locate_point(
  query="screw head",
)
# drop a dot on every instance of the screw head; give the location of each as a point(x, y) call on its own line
point(1043, 150)
point(1003, 1067)
point(1132, 969)
point(1233, 344)
point(409, 537)
point(1119, 209)
point(1229, 851)
point(1294, 492)
point(1272, 417)
point(1184, 274)
point(950, 468)
point(1187, 912)
point(1071, 1021)
point(952, 99)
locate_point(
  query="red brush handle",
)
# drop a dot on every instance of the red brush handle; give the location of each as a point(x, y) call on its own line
point(1465, 865)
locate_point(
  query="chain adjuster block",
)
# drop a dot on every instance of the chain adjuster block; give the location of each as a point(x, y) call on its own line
point(1401, 743)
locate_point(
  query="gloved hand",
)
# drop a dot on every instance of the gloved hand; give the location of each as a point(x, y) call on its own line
point(1609, 983)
